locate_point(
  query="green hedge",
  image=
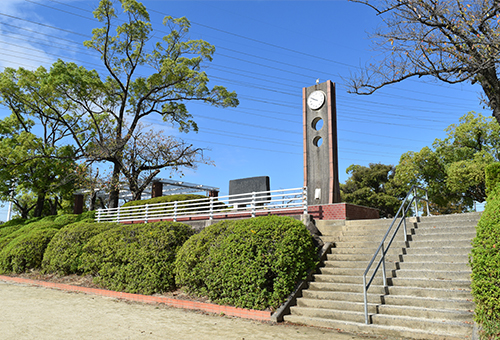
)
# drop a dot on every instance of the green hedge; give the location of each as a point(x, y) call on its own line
point(253, 263)
point(136, 258)
point(164, 199)
point(485, 264)
point(26, 251)
point(13, 222)
point(63, 252)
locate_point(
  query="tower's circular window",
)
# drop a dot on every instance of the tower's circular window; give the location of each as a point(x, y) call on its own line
point(317, 141)
point(317, 123)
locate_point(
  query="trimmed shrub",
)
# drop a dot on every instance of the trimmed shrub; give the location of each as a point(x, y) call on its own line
point(26, 251)
point(63, 220)
point(191, 258)
point(15, 221)
point(492, 176)
point(63, 252)
point(136, 258)
point(87, 215)
point(485, 264)
point(253, 263)
point(164, 199)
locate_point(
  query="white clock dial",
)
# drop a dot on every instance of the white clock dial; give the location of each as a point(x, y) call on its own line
point(316, 100)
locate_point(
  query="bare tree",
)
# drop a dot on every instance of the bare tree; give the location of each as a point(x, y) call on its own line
point(453, 41)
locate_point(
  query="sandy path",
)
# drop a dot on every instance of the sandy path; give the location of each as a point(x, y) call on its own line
point(28, 312)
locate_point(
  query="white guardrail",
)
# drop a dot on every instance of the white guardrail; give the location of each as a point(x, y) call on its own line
point(241, 205)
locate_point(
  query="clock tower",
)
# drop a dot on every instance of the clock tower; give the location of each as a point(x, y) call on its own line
point(320, 144)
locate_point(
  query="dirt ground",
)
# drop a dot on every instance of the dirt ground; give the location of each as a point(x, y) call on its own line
point(29, 312)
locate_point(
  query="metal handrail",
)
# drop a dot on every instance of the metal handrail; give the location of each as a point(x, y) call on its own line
point(209, 207)
point(383, 249)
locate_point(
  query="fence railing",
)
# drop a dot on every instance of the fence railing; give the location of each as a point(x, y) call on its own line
point(412, 199)
point(241, 205)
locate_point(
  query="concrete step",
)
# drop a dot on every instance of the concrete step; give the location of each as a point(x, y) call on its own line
point(346, 279)
point(341, 296)
point(444, 293)
point(443, 236)
point(361, 257)
point(330, 228)
point(430, 258)
point(356, 264)
point(434, 274)
point(428, 313)
point(447, 250)
point(445, 266)
point(425, 302)
point(355, 271)
point(347, 287)
point(337, 305)
point(424, 230)
point(334, 314)
point(473, 216)
point(377, 330)
point(429, 283)
point(451, 327)
point(441, 243)
point(371, 244)
point(447, 225)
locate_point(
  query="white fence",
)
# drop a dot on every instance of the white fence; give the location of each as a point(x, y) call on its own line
point(285, 201)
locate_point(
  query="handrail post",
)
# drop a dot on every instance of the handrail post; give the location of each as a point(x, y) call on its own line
point(365, 298)
point(253, 204)
point(304, 200)
point(404, 227)
point(211, 208)
point(384, 278)
point(175, 211)
point(427, 201)
point(415, 200)
point(147, 214)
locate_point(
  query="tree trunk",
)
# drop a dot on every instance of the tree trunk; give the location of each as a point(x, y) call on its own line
point(496, 113)
point(39, 205)
point(114, 188)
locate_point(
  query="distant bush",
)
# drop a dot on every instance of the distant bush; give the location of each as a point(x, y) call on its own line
point(26, 251)
point(253, 263)
point(164, 199)
point(485, 264)
point(63, 252)
point(136, 258)
point(15, 221)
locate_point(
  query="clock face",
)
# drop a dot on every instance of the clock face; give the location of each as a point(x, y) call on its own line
point(316, 100)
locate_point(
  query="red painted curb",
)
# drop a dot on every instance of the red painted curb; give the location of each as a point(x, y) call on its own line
point(186, 304)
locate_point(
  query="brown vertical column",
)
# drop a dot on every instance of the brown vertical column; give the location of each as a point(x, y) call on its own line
point(78, 205)
point(157, 189)
point(320, 144)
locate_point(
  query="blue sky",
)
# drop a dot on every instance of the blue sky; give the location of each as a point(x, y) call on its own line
point(266, 51)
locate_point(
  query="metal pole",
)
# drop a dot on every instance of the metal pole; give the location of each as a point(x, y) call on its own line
point(383, 266)
point(253, 204)
point(211, 208)
point(365, 299)
point(415, 200)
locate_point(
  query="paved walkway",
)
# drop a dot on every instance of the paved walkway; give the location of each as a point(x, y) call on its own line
point(30, 312)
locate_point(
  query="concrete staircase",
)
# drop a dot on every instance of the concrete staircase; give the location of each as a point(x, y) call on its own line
point(428, 293)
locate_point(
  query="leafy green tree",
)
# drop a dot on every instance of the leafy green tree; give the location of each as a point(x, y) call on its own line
point(453, 170)
point(102, 114)
point(452, 41)
point(35, 173)
point(373, 186)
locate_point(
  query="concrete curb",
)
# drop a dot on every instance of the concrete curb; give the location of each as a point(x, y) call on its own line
point(186, 304)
